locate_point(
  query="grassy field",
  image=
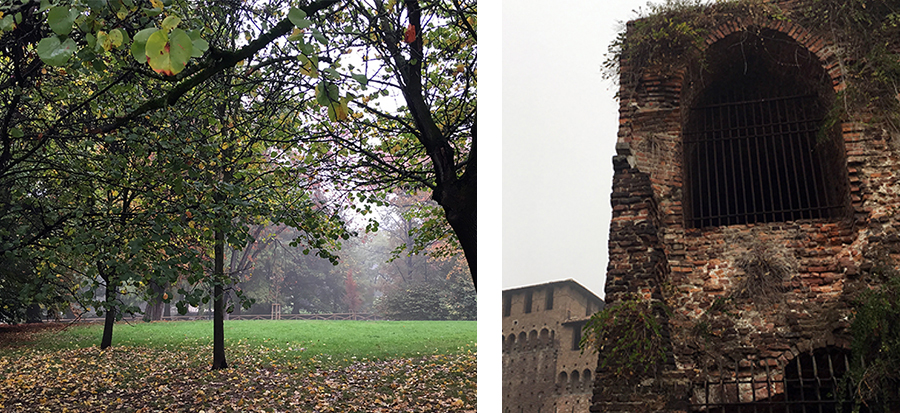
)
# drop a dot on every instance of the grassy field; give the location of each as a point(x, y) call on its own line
point(316, 366)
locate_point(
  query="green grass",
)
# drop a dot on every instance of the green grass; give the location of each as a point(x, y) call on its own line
point(339, 339)
point(352, 366)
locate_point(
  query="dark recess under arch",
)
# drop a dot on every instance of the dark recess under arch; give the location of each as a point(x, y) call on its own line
point(755, 148)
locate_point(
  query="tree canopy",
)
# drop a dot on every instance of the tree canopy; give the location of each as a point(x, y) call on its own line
point(142, 140)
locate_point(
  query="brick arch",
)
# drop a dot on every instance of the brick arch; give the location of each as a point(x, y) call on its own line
point(749, 117)
point(816, 44)
point(807, 346)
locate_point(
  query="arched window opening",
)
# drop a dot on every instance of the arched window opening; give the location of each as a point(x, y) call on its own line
point(575, 378)
point(816, 377)
point(756, 148)
point(810, 383)
point(563, 379)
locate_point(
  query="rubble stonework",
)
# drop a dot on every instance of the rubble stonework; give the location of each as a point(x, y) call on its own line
point(544, 371)
point(744, 298)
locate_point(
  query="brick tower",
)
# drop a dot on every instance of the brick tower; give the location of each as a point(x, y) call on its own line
point(751, 212)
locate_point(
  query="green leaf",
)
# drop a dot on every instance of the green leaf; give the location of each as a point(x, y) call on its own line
point(200, 46)
point(116, 37)
point(310, 66)
point(7, 23)
point(319, 36)
point(140, 44)
point(98, 6)
point(338, 110)
point(169, 55)
point(181, 48)
point(170, 22)
point(321, 96)
point(16, 133)
point(55, 53)
point(157, 51)
point(61, 19)
point(298, 17)
point(152, 12)
point(362, 79)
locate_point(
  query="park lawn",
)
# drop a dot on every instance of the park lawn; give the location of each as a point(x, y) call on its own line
point(313, 366)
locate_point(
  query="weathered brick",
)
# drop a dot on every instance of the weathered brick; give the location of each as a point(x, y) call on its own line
point(819, 257)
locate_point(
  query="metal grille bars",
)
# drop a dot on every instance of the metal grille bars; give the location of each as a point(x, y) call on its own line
point(757, 160)
point(808, 384)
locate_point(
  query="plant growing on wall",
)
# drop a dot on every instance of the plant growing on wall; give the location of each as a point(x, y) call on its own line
point(866, 32)
point(874, 375)
point(765, 272)
point(629, 337)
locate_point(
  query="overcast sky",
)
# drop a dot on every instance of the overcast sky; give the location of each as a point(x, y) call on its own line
point(560, 121)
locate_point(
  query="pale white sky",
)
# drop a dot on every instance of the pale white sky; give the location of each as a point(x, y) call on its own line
point(560, 121)
point(541, 62)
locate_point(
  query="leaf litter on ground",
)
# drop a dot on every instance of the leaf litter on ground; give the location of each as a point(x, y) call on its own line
point(259, 378)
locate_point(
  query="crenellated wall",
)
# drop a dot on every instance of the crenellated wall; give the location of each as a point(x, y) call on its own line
point(544, 369)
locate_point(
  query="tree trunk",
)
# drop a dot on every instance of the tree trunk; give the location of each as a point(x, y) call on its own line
point(460, 207)
point(156, 303)
point(111, 286)
point(219, 304)
point(454, 193)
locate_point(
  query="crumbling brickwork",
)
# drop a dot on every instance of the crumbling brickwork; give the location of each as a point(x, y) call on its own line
point(752, 294)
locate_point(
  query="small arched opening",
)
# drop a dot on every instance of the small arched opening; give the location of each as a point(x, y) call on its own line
point(563, 379)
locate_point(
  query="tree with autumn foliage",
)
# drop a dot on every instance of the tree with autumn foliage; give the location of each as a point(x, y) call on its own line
point(425, 52)
point(139, 123)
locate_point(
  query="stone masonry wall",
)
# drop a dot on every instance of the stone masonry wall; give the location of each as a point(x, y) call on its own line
point(543, 369)
point(527, 369)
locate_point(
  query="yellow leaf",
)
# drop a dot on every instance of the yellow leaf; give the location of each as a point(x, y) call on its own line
point(157, 4)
